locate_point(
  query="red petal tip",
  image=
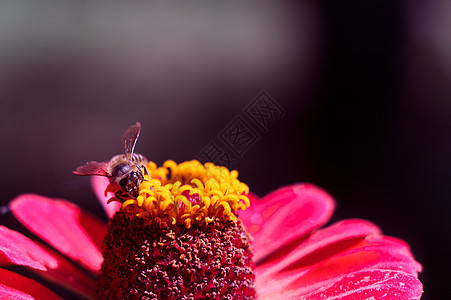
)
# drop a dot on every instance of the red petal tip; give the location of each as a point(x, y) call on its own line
point(20, 250)
point(57, 222)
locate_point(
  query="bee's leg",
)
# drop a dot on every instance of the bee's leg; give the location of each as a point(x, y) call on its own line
point(120, 195)
point(131, 194)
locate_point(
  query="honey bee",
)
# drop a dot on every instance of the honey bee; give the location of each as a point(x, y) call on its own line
point(125, 171)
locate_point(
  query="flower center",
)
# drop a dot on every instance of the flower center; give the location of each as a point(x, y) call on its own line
point(190, 193)
point(180, 238)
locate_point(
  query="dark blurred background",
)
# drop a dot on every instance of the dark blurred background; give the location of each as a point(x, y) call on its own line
point(365, 86)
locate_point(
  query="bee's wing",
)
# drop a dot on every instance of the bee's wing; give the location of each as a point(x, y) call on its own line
point(92, 168)
point(130, 137)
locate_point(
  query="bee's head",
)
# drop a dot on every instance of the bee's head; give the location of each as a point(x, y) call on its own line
point(131, 182)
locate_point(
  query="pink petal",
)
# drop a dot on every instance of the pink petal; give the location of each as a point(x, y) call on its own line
point(285, 216)
point(319, 246)
point(361, 257)
point(56, 222)
point(69, 276)
point(99, 184)
point(366, 284)
point(273, 287)
point(20, 250)
point(93, 226)
point(7, 292)
point(376, 253)
point(390, 253)
point(254, 199)
point(15, 286)
point(372, 284)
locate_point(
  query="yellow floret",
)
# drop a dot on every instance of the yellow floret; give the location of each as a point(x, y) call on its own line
point(162, 194)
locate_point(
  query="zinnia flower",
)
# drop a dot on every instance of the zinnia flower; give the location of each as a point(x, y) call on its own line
point(187, 235)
